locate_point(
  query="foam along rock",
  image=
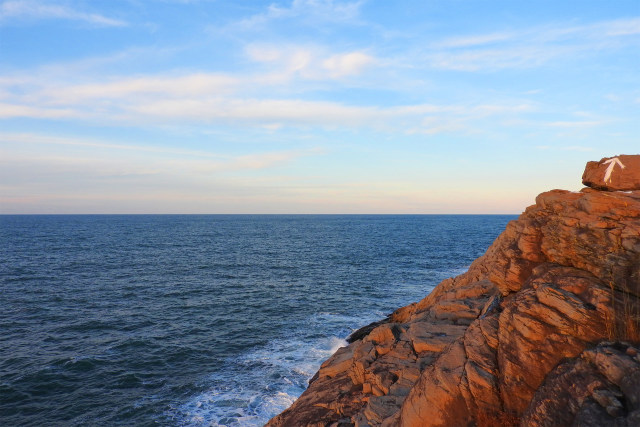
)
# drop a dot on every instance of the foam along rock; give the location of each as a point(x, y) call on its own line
point(619, 173)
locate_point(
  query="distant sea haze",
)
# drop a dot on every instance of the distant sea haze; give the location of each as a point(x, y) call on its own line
point(201, 319)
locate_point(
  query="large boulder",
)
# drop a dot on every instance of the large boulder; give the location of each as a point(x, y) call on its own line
point(620, 173)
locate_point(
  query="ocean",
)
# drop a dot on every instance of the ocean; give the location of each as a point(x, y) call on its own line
point(201, 320)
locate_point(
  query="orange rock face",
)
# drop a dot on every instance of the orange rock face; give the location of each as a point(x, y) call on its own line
point(480, 348)
point(613, 173)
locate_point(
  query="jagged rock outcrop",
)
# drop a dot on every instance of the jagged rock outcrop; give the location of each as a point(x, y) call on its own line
point(480, 348)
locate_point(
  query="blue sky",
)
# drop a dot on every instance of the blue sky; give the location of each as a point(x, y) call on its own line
point(310, 106)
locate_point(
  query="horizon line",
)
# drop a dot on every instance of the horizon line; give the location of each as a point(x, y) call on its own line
point(255, 214)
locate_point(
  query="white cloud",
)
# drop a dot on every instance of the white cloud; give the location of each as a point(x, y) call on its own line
point(258, 111)
point(493, 59)
point(33, 9)
point(310, 62)
point(578, 148)
point(264, 53)
point(576, 124)
point(529, 47)
point(306, 10)
point(476, 40)
point(235, 100)
point(274, 114)
point(299, 61)
point(273, 95)
point(347, 64)
point(613, 97)
point(131, 159)
point(621, 27)
point(8, 111)
point(39, 139)
point(216, 98)
point(329, 9)
point(190, 85)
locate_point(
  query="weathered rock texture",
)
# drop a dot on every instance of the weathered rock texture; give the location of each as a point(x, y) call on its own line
point(480, 348)
point(613, 173)
point(599, 388)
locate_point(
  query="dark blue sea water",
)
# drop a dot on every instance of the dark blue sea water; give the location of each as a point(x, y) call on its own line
point(200, 320)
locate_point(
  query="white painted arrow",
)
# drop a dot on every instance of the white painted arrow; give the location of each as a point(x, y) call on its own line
point(612, 163)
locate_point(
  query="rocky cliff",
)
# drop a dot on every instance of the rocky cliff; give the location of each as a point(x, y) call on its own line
point(541, 330)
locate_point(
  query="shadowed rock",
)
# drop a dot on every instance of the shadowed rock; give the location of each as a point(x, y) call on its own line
point(598, 388)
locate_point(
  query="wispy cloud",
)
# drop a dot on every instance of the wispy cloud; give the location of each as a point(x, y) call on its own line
point(8, 111)
point(578, 148)
point(306, 10)
point(190, 85)
point(33, 9)
point(620, 27)
point(48, 140)
point(529, 47)
point(310, 62)
point(576, 124)
point(492, 59)
point(229, 100)
point(143, 158)
point(475, 40)
point(347, 64)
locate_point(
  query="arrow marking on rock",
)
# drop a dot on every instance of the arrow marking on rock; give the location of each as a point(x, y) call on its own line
point(612, 163)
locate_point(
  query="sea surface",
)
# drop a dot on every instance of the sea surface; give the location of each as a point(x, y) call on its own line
point(212, 320)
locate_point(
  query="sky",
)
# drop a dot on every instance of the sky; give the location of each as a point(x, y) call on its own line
point(310, 106)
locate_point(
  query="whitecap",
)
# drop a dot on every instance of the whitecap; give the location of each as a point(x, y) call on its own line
point(252, 388)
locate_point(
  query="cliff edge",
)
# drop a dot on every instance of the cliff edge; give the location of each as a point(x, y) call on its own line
point(542, 330)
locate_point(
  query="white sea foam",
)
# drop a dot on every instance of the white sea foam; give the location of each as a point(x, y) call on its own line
point(336, 344)
point(255, 386)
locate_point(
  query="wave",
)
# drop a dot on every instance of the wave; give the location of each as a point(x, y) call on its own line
point(253, 387)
